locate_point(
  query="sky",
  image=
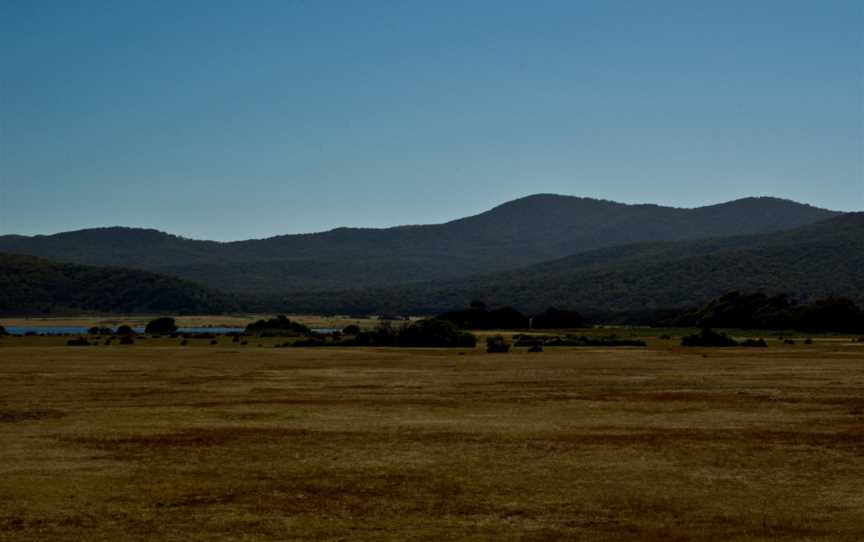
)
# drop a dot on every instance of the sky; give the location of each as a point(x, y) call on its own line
point(238, 119)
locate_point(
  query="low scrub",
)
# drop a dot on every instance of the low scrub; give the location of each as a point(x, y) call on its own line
point(497, 345)
point(281, 326)
point(428, 333)
point(708, 337)
point(163, 325)
point(575, 340)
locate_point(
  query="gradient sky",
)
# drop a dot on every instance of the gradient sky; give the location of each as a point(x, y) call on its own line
point(239, 119)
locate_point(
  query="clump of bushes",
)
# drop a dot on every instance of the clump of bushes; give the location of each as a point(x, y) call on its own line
point(96, 330)
point(280, 326)
point(163, 325)
point(761, 311)
point(478, 316)
point(574, 340)
point(127, 339)
point(80, 341)
point(554, 318)
point(124, 330)
point(351, 329)
point(497, 345)
point(428, 333)
point(708, 337)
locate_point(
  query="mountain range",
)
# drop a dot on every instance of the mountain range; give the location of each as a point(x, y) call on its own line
point(811, 262)
point(600, 257)
point(513, 235)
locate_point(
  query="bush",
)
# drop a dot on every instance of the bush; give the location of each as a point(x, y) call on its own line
point(163, 325)
point(280, 326)
point(352, 329)
point(433, 332)
point(80, 341)
point(557, 319)
point(708, 337)
point(536, 348)
point(127, 339)
point(758, 343)
point(124, 330)
point(497, 345)
point(3, 331)
point(428, 333)
point(478, 317)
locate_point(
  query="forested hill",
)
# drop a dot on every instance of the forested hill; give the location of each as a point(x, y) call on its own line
point(516, 234)
point(31, 286)
point(811, 262)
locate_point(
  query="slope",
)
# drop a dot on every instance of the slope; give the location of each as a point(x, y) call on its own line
point(809, 262)
point(518, 233)
point(31, 285)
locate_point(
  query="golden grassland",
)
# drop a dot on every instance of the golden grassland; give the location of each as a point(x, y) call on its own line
point(160, 442)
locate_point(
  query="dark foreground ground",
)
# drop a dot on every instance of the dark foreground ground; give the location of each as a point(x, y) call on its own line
point(231, 443)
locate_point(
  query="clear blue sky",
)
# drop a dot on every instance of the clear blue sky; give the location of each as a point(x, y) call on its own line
point(239, 119)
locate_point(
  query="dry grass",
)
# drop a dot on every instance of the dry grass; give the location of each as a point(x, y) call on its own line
point(229, 443)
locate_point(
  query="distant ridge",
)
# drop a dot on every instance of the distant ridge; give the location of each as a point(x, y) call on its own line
point(515, 234)
point(31, 286)
point(810, 262)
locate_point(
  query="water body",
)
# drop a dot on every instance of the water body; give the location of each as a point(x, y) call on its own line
point(82, 330)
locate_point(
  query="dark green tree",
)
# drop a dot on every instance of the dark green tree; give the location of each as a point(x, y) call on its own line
point(161, 325)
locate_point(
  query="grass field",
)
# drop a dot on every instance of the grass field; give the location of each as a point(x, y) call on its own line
point(160, 442)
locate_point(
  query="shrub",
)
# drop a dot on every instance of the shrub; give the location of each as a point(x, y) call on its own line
point(557, 319)
point(707, 337)
point(164, 325)
point(80, 341)
point(127, 339)
point(184, 342)
point(536, 348)
point(478, 317)
point(759, 343)
point(214, 341)
point(279, 326)
point(124, 330)
point(3, 331)
point(497, 345)
point(433, 332)
point(352, 329)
